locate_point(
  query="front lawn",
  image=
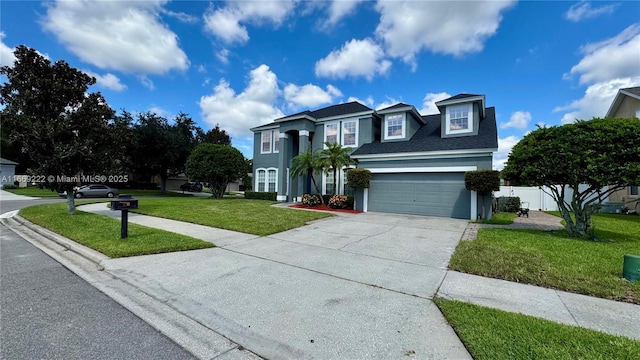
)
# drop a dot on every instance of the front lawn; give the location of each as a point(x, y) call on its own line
point(494, 334)
point(554, 260)
point(256, 217)
point(501, 218)
point(34, 191)
point(102, 233)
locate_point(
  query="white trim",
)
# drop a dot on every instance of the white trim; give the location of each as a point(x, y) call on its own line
point(470, 120)
point(303, 133)
point(266, 178)
point(427, 169)
point(337, 123)
point(474, 205)
point(357, 133)
point(424, 154)
point(345, 116)
point(386, 125)
point(281, 198)
point(273, 137)
point(283, 135)
point(270, 132)
point(365, 200)
point(295, 117)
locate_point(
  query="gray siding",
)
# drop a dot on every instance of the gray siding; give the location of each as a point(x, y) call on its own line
point(412, 125)
point(262, 160)
point(482, 162)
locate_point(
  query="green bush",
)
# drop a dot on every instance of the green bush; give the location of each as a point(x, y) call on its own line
point(260, 195)
point(311, 199)
point(9, 187)
point(358, 178)
point(509, 204)
point(482, 181)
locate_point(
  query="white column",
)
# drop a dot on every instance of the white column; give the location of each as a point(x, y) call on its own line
point(474, 205)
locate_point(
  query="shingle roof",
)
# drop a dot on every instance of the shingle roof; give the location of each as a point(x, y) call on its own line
point(460, 96)
point(306, 112)
point(633, 90)
point(427, 138)
point(340, 109)
point(396, 106)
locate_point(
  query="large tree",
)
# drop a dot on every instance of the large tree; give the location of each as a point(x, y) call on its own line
point(578, 164)
point(214, 136)
point(216, 165)
point(162, 148)
point(335, 157)
point(61, 127)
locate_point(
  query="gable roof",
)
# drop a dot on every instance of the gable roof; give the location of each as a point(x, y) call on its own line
point(428, 138)
point(460, 96)
point(393, 107)
point(633, 92)
point(340, 109)
point(4, 161)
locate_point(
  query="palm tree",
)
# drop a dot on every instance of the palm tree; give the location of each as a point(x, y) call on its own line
point(335, 157)
point(307, 164)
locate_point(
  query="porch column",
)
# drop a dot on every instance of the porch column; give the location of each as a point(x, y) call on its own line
point(304, 144)
point(283, 164)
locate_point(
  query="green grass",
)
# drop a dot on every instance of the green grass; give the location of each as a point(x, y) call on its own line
point(501, 218)
point(34, 191)
point(495, 334)
point(102, 233)
point(554, 260)
point(256, 217)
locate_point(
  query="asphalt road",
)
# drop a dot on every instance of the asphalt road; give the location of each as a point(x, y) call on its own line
point(47, 312)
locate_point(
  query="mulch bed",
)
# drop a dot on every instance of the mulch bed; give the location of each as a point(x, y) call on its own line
point(323, 207)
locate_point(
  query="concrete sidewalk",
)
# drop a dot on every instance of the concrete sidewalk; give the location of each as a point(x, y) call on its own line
point(8, 196)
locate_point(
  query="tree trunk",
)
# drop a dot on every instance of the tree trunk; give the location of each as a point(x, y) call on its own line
point(71, 205)
point(315, 185)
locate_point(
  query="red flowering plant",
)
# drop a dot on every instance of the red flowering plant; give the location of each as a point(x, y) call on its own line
point(311, 200)
point(338, 202)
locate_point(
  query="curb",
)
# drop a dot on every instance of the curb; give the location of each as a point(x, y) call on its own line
point(85, 252)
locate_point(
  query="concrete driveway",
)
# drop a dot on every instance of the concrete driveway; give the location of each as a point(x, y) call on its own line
point(348, 287)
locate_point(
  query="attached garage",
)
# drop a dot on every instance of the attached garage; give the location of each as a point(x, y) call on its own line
point(433, 193)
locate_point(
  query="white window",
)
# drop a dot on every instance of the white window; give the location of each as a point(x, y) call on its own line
point(272, 180)
point(267, 179)
point(394, 126)
point(261, 178)
point(276, 141)
point(350, 133)
point(459, 119)
point(266, 142)
point(341, 182)
point(328, 182)
point(331, 133)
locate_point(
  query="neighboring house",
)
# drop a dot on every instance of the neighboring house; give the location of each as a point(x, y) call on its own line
point(7, 172)
point(417, 162)
point(625, 105)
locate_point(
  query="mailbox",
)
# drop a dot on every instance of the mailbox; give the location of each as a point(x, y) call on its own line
point(124, 204)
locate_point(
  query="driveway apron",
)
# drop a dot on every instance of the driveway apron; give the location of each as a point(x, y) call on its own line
point(348, 287)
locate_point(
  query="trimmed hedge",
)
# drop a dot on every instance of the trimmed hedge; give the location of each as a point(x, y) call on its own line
point(358, 178)
point(482, 181)
point(509, 204)
point(256, 195)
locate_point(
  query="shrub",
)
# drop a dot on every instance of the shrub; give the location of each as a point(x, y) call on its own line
point(311, 199)
point(9, 186)
point(358, 178)
point(482, 181)
point(260, 195)
point(509, 204)
point(337, 202)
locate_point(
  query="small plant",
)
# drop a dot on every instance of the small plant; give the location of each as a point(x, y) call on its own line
point(311, 200)
point(510, 204)
point(338, 202)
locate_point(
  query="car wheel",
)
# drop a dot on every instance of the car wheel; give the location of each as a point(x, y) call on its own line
point(110, 195)
point(78, 195)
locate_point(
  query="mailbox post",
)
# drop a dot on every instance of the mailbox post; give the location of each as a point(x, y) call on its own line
point(124, 203)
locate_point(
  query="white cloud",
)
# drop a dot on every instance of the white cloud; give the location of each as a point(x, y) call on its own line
point(606, 67)
point(368, 101)
point(225, 22)
point(385, 104)
point(148, 83)
point(429, 103)
point(223, 56)
point(596, 101)
point(583, 10)
point(309, 95)
point(616, 57)
point(124, 36)
point(338, 9)
point(356, 58)
point(180, 16)
point(160, 112)
point(237, 113)
point(107, 80)
point(504, 148)
point(448, 27)
point(518, 120)
point(6, 53)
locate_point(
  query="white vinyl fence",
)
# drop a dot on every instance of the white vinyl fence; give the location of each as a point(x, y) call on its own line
point(537, 199)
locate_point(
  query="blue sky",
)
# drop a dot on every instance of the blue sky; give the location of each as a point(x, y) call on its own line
point(241, 64)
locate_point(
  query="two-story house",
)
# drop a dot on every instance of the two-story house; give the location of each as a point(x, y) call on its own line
point(417, 162)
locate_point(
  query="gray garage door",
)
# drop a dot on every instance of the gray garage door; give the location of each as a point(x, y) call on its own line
point(438, 194)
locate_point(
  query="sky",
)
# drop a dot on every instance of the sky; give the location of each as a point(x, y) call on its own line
point(241, 64)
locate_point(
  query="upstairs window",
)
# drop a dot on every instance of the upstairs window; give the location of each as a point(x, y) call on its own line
point(459, 119)
point(276, 141)
point(331, 133)
point(350, 133)
point(394, 126)
point(266, 142)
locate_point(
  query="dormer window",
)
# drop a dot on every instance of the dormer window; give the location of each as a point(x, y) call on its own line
point(394, 127)
point(459, 119)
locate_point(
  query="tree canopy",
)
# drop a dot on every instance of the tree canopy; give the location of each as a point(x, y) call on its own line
point(59, 125)
point(214, 136)
point(216, 165)
point(307, 164)
point(578, 164)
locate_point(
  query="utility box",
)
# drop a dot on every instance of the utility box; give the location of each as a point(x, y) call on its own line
point(631, 267)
